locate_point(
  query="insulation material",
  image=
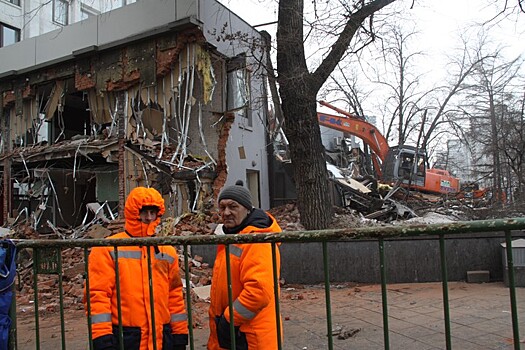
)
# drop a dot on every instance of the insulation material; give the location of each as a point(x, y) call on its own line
point(55, 99)
point(135, 117)
point(100, 106)
point(165, 97)
point(153, 117)
point(147, 116)
point(22, 124)
point(182, 198)
point(205, 69)
point(16, 128)
point(134, 170)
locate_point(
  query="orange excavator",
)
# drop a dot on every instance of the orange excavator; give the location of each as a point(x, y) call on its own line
point(404, 164)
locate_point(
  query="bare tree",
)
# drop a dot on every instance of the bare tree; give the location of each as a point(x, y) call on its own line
point(513, 130)
point(489, 96)
point(298, 89)
point(461, 68)
point(402, 82)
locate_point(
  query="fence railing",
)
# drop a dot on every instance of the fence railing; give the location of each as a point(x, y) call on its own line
point(47, 259)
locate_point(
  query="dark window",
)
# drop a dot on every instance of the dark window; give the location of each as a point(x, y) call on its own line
point(61, 12)
point(8, 35)
point(16, 2)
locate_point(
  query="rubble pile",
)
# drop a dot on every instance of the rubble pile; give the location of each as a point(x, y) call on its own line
point(73, 269)
point(288, 218)
point(202, 223)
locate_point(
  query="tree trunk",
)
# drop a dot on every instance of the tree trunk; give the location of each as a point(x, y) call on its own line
point(308, 158)
point(497, 188)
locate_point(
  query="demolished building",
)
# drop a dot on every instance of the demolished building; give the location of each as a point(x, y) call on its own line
point(157, 93)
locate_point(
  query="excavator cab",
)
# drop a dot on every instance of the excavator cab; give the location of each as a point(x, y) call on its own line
point(405, 164)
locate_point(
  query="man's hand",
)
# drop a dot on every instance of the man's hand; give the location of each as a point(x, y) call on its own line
point(223, 335)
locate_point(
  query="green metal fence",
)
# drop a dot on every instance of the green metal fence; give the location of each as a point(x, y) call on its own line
point(47, 259)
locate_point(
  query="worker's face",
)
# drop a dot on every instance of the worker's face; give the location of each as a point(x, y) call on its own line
point(232, 213)
point(147, 216)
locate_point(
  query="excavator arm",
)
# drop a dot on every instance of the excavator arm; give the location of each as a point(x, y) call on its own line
point(427, 180)
point(352, 125)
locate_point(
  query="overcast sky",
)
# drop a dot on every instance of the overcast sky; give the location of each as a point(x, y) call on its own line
point(439, 21)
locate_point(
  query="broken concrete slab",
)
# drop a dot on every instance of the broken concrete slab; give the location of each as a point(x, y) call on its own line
point(203, 292)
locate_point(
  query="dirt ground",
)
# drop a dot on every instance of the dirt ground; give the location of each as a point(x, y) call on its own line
point(76, 331)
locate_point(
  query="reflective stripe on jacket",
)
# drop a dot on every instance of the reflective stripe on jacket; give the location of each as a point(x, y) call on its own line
point(136, 307)
point(252, 290)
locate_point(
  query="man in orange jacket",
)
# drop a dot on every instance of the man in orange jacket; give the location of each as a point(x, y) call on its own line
point(254, 313)
point(143, 210)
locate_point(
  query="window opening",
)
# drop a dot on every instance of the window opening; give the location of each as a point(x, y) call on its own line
point(8, 35)
point(61, 12)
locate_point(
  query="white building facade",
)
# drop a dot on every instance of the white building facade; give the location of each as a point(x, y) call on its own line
point(23, 19)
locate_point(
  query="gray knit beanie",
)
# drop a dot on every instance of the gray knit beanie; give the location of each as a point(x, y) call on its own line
point(238, 193)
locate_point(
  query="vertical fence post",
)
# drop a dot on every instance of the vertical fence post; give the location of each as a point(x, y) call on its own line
point(61, 299)
point(382, 266)
point(119, 301)
point(88, 298)
point(327, 296)
point(444, 277)
point(512, 290)
point(188, 296)
point(151, 298)
point(230, 296)
point(35, 291)
point(12, 314)
point(276, 291)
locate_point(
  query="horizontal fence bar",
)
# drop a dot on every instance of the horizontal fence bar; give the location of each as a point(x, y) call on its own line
point(385, 232)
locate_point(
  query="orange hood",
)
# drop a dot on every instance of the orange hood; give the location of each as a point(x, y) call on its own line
point(140, 197)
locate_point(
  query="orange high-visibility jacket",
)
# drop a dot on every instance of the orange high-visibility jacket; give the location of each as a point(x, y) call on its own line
point(252, 290)
point(136, 308)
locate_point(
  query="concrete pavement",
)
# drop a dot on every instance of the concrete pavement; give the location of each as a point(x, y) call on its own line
point(479, 313)
point(480, 319)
